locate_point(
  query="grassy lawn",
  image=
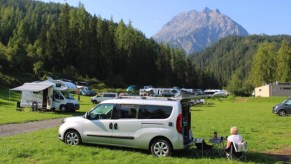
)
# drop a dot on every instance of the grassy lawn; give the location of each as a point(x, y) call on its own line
point(43, 147)
point(257, 124)
point(263, 130)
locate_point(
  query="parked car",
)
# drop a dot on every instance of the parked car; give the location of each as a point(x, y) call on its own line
point(160, 126)
point(284, 108)
point(87, 92)
point(169, 93)
point(83, 83)
point(103, 96)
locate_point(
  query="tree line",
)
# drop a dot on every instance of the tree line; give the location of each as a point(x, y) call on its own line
point(242, 63)
point(40, 39)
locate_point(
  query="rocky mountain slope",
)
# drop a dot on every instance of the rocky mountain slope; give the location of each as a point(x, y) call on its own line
point(193, 31)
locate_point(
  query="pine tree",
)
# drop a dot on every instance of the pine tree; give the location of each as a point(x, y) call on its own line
point(283, 60)
point(264, 66)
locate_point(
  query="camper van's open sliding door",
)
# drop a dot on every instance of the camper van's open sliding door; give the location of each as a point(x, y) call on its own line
point(186, 115)
point(49, 98)
point(45, 98)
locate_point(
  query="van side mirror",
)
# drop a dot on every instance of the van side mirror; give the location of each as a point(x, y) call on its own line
point(86, 115)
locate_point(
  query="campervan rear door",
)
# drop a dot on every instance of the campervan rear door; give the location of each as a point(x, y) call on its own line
point(186, 117)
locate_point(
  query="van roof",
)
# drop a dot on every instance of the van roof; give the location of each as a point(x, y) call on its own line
point(142, 101)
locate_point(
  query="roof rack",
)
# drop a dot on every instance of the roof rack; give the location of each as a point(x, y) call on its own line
point(149, 98)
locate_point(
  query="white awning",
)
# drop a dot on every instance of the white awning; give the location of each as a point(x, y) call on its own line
point(34, 87)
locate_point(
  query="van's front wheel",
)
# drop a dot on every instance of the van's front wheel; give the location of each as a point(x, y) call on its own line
point(72, 138)
point(63, 108)
point(282, 113)
point(161, 148)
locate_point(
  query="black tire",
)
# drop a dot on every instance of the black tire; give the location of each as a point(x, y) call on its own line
point(94, 102)
point(72, 137)
point(282, 113)
point(161, 148)
point(34, 106)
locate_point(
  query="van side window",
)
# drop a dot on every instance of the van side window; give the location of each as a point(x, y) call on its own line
point(288, 102)
point(154, 112)
point(126, 111)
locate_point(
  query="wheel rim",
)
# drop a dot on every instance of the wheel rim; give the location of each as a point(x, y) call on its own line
point(282, 113)
point(72, 138)
point(63, 108)
point(161, 149)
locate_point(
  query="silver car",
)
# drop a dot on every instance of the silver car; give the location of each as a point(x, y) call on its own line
point(160, 126)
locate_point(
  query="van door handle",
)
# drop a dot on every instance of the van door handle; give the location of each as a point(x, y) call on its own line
point(115, 126)
point(110, 125)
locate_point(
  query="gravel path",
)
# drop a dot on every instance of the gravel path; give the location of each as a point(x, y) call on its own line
point(13, 129)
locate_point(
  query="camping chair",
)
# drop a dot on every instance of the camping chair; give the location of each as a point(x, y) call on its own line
point(201, 147)
point(237, 151)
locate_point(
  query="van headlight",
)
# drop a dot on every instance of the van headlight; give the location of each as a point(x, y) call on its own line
point(275, 107)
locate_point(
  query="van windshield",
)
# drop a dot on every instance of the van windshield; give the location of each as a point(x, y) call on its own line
point(68, 95)
point(102, 111)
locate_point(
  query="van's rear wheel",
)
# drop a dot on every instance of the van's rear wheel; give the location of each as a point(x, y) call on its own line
point(161, 148)
point(72, 138)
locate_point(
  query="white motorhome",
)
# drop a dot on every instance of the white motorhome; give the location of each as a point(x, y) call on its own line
point(48, 95)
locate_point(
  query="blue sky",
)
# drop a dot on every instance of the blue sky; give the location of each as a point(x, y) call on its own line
point(270, 17)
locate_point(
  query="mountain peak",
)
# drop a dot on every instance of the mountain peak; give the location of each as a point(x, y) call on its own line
point(193, 31)
point(206, 10)
point(217, 11)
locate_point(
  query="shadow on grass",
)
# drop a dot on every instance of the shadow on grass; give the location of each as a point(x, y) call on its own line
point(77, 113)
point(254, 157)
point(280, 157)
point(190, 154)
point(5, 103)
point(205, 105)
point(116, 148)
point(197, 110)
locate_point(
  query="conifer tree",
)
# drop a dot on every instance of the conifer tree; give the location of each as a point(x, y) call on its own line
point(283, 59)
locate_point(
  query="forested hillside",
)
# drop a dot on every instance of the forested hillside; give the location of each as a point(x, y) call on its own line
point(47, 39)
point(242, 63)
point(40, 39)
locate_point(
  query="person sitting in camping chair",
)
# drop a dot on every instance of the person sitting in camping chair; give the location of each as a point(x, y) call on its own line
point(232, 140)
point(234, 137)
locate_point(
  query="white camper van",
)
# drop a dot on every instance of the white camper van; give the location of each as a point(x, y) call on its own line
point(48, 95)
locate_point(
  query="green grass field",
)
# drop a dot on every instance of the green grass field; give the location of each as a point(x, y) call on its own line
point(263, 130)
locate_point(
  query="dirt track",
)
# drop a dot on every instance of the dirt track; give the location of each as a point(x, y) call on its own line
point(12, 129)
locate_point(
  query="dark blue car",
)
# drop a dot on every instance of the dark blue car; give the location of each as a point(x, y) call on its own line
point(284, 108)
